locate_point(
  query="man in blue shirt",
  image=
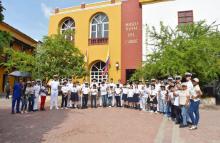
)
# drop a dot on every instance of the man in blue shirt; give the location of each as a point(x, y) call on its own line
point(17, 92)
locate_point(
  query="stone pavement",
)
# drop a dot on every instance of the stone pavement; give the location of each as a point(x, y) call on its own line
point(109, 125)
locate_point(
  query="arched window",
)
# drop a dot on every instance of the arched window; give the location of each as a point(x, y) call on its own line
point(99, 26)
point(96, 72)
point(68, 24)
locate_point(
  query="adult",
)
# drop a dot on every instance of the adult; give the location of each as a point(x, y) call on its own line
point(7, 89)
point(194, 104)
point(103, 93)
point(16, 98)
point(37, 87)
point(54, 92)
point(65, 90)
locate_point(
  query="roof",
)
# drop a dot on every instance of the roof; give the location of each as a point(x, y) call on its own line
point(18, 31)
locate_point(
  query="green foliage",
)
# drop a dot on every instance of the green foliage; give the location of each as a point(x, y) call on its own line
point(1, 11)
point(188, 48)
point(55, 55)
point(59, 56)
point(5, 40)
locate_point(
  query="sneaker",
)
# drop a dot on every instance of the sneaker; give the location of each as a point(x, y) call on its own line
point(57, 108)
point(66, 108)
point(22, 112)
point(193, 127)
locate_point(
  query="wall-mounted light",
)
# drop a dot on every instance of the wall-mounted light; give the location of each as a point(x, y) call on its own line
point(117, 65)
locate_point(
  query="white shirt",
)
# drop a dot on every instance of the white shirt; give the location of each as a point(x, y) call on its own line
point(190, 88)
point(43, 91)
point(65, 89)
point(85, 90)
point(103, 89)
point(130, 92)
point(54, 85)
point(36, 90)
point(74, 89)
point(163, 94)
point(29, 90)
point(112, 84)
point(94, 91)
point(197, 91)
point(183, 97)
point(117, 91)
point(136, 91)
point(124, 90)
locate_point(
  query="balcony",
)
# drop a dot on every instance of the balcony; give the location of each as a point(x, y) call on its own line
point(98, 41)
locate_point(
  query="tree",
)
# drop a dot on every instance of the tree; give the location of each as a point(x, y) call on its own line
point(55, 55)
point(188, 48)
point(5, 37)
point(1, 10)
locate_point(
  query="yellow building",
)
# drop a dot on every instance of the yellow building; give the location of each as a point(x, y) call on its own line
point(105, 29)
point(20, 42)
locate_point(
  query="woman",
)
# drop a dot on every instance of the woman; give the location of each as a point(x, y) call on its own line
point(136, 97)
point(74, 95)
point(130, 96)
point(194, 104)
point(125, 96)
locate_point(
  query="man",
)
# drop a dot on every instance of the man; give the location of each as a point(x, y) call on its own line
point(54, 92)
point(17, 91)
point(7, 89)
point(36, 94)
point(194, 104)
point(70, 85)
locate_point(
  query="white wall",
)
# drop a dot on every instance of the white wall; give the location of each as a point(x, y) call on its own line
point(166, 12)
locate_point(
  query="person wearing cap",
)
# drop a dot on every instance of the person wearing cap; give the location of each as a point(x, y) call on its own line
point(64, 90)
point(43, 94)
point(184, 96)
point(36, 87)
point(54, 85)
point(85, 95)
point(103, 93)
point(194, 104)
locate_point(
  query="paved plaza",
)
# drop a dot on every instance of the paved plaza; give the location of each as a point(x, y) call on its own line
point(109, 125)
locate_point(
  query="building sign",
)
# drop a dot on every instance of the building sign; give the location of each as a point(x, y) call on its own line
point(132, 32)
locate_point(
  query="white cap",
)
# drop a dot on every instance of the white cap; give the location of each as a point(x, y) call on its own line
point(184, 84)
point(170, 78)
point(196, 80)
point(188, 74)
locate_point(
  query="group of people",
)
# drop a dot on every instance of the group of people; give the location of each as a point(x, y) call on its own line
point(176, 98)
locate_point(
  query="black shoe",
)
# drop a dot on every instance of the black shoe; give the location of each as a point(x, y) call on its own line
point(183, 126)
point(12, 112)
point(18, 112)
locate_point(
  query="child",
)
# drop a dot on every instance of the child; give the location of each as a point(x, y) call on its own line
point(118, 95)
point(152, 99)
point(124, 96)
point(94, 94)
point(43, 94)
point(64, 90)
point(136, 97)
point(85, 94)
point(74, 95)
point(162, 97)
point(110, 96)
point(184, 103)
point(130, 96)
point(143, 97)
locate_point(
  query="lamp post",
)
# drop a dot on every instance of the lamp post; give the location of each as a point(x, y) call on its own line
point(117, 66)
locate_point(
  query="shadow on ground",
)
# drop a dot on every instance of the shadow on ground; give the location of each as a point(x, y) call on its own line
point(28, 128)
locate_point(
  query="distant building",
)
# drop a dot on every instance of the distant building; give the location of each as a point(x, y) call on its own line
point(20, 42)
point(175, 12)
point(105, 29)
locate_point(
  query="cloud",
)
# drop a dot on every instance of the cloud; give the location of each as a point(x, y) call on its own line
point(46, 10)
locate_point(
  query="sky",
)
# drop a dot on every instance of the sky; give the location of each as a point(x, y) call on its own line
point(32, 16)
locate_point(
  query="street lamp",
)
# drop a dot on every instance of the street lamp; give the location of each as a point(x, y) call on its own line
point(117, 65)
